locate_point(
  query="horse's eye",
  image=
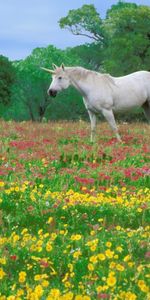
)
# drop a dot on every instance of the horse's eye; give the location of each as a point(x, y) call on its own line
point(59, 77)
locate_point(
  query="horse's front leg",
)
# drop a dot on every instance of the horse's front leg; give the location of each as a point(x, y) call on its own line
point(109, 116)
point(93, 124)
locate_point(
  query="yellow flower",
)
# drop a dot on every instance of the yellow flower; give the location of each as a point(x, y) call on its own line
point(118, 227)
point(76, 237)
point(99, 289)
point(15, 238)
point(127, 258)
point(78, 297)
point(22, 277)
point(17, 189)
point(2, 183)
point(77, 253)
point(3, 261)
point(45, 283)
point(101, 256)
point(93, 248)
point(108, 244)
point(119, 249)
point(130, 296)
point(53, 236)
point(67, 296)
point(49, 220)
point(37, 277)
point(90, 267)
point(109, 253)
point(93, 259)
point(112, 265)
point(49, 247)
point(142, 286)
point(55, 293)
point(2, 273)
point(38, 290)
point(111, 281)
point(120, 267)
point(20, 292)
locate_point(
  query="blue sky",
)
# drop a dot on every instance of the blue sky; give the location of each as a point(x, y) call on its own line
point(27, 24)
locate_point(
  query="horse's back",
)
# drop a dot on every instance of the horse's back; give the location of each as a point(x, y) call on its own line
point(131, 90)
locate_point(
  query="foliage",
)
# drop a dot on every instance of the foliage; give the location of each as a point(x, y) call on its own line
point(90, 54)
point(128, 47)
point(123, 38)
point(7, 77)
point(74, 216)
point(84, 21)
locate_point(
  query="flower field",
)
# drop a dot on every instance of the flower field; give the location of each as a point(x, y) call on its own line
point(74, 216)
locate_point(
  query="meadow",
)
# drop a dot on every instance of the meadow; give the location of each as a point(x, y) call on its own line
point(74, 216)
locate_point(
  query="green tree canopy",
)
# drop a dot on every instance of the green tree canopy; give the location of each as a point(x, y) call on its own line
point(84, 21)
point(128, 31)
point(7, 77)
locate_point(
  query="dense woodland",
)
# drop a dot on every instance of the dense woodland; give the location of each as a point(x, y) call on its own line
point(120, 44)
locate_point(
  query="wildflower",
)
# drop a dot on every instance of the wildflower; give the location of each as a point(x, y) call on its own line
point(93, 259)
point(38, 291)
point(67, 296)
point(127, 258)
point(130, 296)
point(22, 277)
point(49, 220)
point(111, 281)
point(76, 237)
point(142, 286)
point(49, 247)
point(76, 254)
point(119, 267)
point(3, 261)
point(90, 267)
point(101, 256)
point(119, 249)
point(108, 244)
point(109, 253)
point(2, 273)
point(55, 293)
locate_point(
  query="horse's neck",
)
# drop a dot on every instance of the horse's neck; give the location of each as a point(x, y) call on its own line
point(78, 78)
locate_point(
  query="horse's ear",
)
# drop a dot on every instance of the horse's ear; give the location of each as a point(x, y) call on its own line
point(48, 70)
point(63, 67)
point(54, 66)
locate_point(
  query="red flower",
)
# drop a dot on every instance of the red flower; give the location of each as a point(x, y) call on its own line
point(103, 296)
point(44, 263)
point(13, 257)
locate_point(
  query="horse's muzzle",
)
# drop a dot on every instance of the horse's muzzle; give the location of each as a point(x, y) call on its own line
point(52, 93)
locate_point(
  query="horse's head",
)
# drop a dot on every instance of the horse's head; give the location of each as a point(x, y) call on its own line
point(60, 80)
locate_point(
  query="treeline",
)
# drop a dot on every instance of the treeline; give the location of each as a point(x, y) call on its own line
point(120, 44)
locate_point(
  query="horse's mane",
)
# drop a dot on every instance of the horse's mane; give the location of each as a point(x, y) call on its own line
point(80, 72)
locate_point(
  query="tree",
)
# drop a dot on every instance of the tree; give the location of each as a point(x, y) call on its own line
point(84, 21)
point(90, 54)
point(7, 78)
point(128, 29)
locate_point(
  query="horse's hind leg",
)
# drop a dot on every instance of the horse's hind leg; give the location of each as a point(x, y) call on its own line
point(146, 108)
point(108, 114)
point(93, 124)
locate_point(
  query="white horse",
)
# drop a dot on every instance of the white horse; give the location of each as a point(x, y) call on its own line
point(103, 93)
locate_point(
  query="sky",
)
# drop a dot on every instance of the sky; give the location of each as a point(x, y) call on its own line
point(27, 24)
